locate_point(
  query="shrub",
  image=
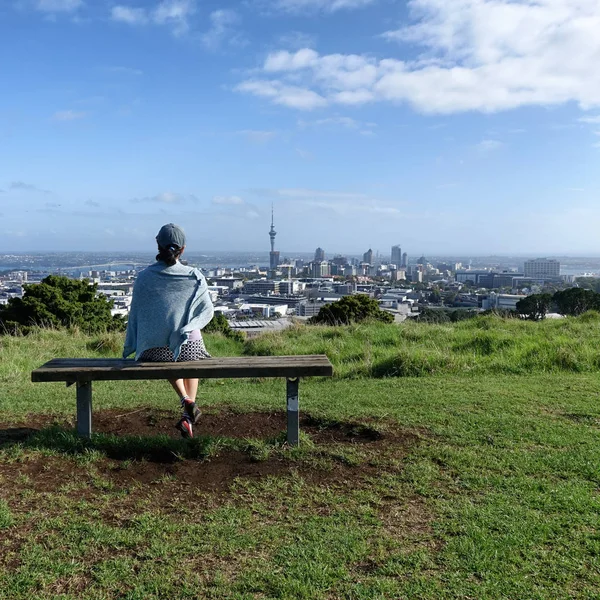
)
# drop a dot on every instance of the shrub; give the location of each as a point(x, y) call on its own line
point(351, 309)
point(220, 324)
point(60, 302)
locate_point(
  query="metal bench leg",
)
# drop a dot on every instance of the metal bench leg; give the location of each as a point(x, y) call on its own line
point(84, 409)
point(293, 421)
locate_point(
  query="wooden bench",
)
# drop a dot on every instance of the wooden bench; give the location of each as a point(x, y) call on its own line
point(82, 371)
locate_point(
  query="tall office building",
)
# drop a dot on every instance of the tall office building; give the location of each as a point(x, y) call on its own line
point(396, 256)
point(319, 255)
point(368, 256)
point(273, 255)
point(405, 260)
point(542, 268)
point(320, 269)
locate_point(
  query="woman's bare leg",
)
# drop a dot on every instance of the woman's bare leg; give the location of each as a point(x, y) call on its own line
point(191, 386)
point(185, 387)
point(179, 387)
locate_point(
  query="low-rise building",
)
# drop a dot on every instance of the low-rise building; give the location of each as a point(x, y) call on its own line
point(233, 283)
point(309, 308)
point(501, 301)
point(264, 310)
point(261, 286)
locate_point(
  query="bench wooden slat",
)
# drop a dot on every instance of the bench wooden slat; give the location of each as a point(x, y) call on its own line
point(85, 369)
point(122, 363)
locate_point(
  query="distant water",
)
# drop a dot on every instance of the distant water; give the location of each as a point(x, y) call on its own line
point(75, 263)
point(78, 262)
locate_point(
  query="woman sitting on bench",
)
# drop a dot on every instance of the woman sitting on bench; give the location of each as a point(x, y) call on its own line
point(170, 306)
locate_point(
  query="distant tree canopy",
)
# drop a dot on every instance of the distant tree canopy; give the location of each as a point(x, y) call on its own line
point(576, 301)
point(60, 302)
point(570, 302)
point(351, 309)
point(589, 283)
point(534, 307)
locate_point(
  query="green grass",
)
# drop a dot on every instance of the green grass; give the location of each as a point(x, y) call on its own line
point(497, 499)
point(485, 345)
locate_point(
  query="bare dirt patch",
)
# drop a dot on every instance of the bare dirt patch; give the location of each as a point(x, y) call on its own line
point(212, 474)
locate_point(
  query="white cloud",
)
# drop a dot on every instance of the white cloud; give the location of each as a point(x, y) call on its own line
point(51, 6)
point(117, 70)
point(308, 194)
point(26, 187)
point(168, 198)
point(593, 120)
point(345, 208)
point(222, 24)
point(297, 40)
point(68, 115)
point(489, 145)
point(305, 154)
point(175, 13)
point(343, 122)
point(129, 15)
point(298, 6)
point(228, 200)
point(258, 136)
point(477, 55)
point(171, 13)
point(286, 95)
point(341, 203)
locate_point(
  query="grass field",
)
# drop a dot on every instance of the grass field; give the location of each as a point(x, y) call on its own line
point(449, 461)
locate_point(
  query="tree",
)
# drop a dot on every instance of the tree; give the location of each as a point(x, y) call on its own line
point(351, 309)
point(220, 324)
point(450, 298)
point(589, 283)
point(534, 307)
point(576, 301)
point(61, 302)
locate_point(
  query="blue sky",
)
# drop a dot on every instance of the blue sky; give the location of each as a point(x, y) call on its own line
point(470, 126)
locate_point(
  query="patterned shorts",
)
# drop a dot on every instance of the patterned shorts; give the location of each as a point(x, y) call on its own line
point(190, 351)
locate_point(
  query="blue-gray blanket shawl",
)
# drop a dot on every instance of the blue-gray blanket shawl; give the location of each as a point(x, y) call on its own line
point(168, 303)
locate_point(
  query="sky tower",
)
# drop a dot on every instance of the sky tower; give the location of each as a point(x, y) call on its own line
point(272, 232)
point(274, 254)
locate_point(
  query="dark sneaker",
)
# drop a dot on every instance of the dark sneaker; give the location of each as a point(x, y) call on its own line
point(185, 426)
point(192, 411)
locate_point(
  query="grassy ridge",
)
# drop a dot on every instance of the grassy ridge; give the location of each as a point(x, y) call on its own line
point(503, 486)
point(485, 345)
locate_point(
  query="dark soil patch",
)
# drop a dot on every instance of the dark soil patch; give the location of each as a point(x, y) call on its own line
point(151, 422)
point(212, 474)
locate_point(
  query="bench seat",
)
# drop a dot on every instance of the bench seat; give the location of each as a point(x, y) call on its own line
point(82, 371)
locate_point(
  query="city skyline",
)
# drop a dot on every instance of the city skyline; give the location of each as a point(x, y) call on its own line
point(361, 121)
